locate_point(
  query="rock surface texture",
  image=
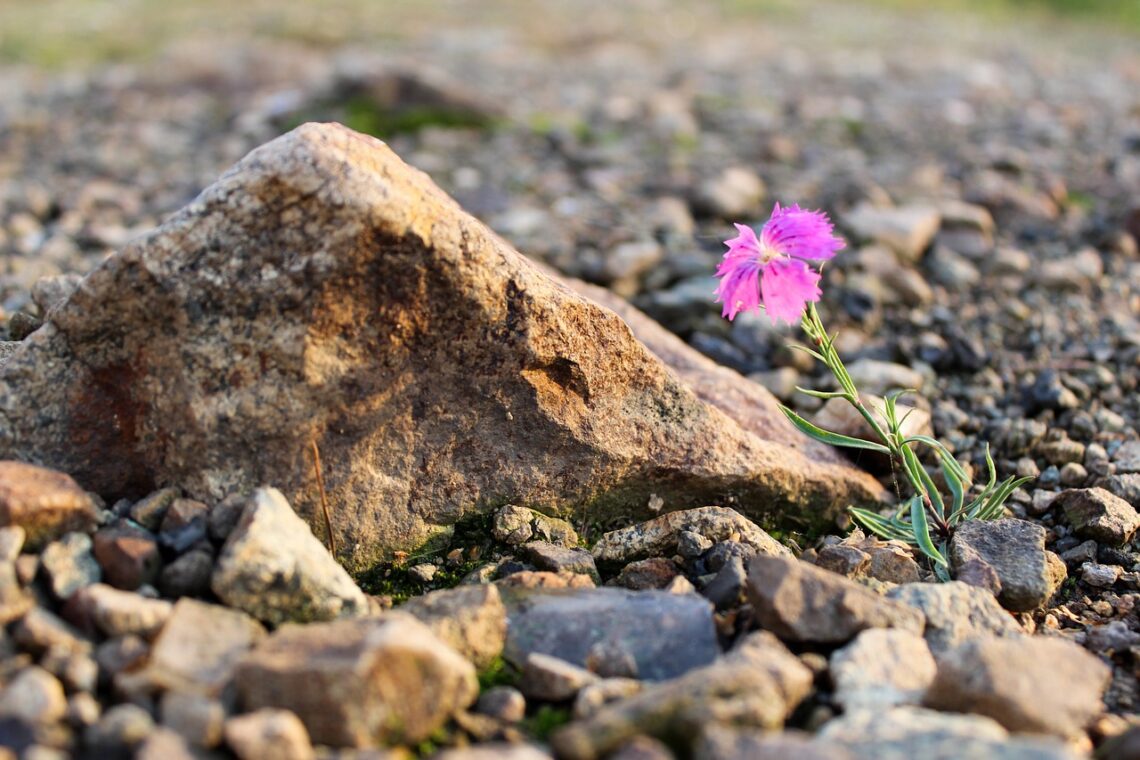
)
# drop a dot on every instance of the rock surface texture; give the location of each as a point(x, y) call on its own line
point(323, 292)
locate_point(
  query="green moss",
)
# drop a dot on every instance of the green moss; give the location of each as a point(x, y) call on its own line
point(545, 720)
point(498, 673)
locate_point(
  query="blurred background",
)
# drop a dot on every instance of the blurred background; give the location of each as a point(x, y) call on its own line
point(983, 156)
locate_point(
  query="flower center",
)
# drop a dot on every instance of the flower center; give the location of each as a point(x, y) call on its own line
point(768, 253)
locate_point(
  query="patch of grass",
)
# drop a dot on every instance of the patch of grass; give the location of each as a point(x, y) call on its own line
point(545, 721)
point(498, 673)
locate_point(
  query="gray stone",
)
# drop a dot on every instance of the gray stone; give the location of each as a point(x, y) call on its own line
point(1097, 514)
point(879, 377)
point(1034, 684)
point(980, 574)
point(504, 703)
point(758, 685)
point(470, 619)
point(664, 634)
point(723, 743)
point(844, 560)
point(306, 276)
point(660, 536)
point(906, 230)
point(34, 696)
point(268, 733)
point(117, 613)
point(551, 679)
point(274, 568)
point(882, 668)
point(69, 564)
point(801, 602)
point(196, 718)
point(516, 525)
point(547, 556)
point(45, 503)
point(1127, 457)
point(951, 269)
point(955, 613)
point(725, 589)
point(1015, 549)
point(734, 193)
point(905, 733)
point(119, 731)
point(355, 683)
point(149, 512)
point(594, 696)
point(188, 575)
point(838, 416)
point(1100, 576)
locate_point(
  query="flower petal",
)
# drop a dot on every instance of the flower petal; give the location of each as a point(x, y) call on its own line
point(803, 234)
point(787, 285)
point(746, 243)
point(739, 287)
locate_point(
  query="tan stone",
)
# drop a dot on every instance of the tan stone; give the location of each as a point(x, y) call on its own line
point(470, 619)
point(323, 291)
point(45, 503)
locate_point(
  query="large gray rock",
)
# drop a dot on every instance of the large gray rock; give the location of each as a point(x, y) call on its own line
point(757, 685)
point(275, 569)
point(1015, 549)
point(355, 683)
point(1035, 684)
point(801, 602)
point(322, 291)
point(956, 612)
point(905, 733)
point(1100, 515)
point(658, 634)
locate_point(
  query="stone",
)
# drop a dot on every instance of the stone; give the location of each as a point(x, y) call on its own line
point(1035, 684)
point(904, 733)
point(356, 683)
point(69, 564)
point(504, 703)
point(723, 743)
point(725, 590)
point(1127, 457)
point(164, 744)
point(1015, 549)
point(128, 555)
point(547, 556)
point(188, 575)
point(186, 523)
point(881, 668)
point(150, 511)
point(45, 503)
point(516, 525)
point(643, 747)
point(552, 680)
point(494, 751)
point(734, 193)
point(1100, 576)
point(906, 230)
point(184, 658)
point(955, 613)
point(879, 377)
point(544, 579)
point(892, 564)
point(15, 601)
point(117, 613)
point(41, 630)
point(757, 685)
point(268, 733)
point(664, 634)
point(655, 572)
point(595, 696)
point(660, 536)
point(11, 542)
point(838, 416)
point(34, 696)
point(119, 731)
point(1097, 514)
point(274, 568)
point(951, 269)
point(196, 718)
point(800, 602)
point(844, 560)
point(979, 573)
point(310, 274)
point(470, 619)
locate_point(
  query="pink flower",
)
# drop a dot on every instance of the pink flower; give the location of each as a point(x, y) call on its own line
point(771, 271)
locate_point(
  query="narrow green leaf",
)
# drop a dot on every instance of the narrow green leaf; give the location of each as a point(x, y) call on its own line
point(896, 394)
point(809, 351)
point(822, 394)
point(880, 525)
point(924, 477)
point(942, 572)
point(835, 439)
point(922, 531)
point(943, 453)
point(954, 483)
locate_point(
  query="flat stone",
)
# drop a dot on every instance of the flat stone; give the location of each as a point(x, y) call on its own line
point(199, 646)
point(117, 613)
point(955, 613)
point(905, 733)
point(1099, 515)
point(268, 733)
point(1034, 684)
point(881, 668)
point(551, 679)
point(659, 537)
point(800, 602)
point(544, 579)
point(892, 564)
point(548, 556)
point(1100, 576)
point(757, 685)
point(308, 274)
point(470, 619)
point(128, 555)
point(722, 743)
point(45, 503)
point(516, 525)
point(356, 683)
point(1015, 549)
point(1127, 457)
point(663, 634)
point(274, 568)
point(906, 230)
point(844, 560)
point(41, 630)
point(69, 564)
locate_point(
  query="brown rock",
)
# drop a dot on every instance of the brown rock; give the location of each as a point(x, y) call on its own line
point(355, 683)
point(45, 503)
point(268, 733)
point(1028, 684)
point(532, 579)
point(128, 556)
point(323, 291)
point(847, 561)
point(801, 602)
